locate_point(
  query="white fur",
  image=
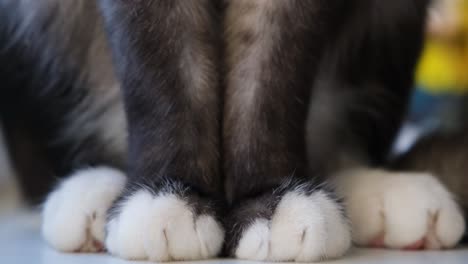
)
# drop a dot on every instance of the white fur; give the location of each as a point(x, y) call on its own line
point(162, 228)
point(402, 207)
point(303, 228)
point(74, 214)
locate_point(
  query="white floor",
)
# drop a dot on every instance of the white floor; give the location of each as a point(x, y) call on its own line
point(20, 243)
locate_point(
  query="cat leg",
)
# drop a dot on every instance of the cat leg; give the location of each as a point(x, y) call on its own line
point(166, 54)
point(356, 111)
point(64, 116)
point(277, 213)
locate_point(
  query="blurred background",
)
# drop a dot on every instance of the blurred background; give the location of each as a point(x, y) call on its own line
point(440, 100)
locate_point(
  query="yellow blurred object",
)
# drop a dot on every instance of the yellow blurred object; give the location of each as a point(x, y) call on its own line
point(437, 68)
point(443, 67)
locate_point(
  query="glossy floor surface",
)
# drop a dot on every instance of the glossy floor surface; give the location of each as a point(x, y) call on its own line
point(21, 243)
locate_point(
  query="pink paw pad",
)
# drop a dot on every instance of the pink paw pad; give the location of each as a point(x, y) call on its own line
point(379, 243)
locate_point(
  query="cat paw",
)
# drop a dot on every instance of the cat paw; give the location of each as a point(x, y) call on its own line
point(163, 227)
point(401, 210)
point(74, 214)
point(302, 226)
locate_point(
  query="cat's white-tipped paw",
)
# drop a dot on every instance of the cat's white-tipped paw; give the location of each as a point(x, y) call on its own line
point(162, 228)
point(303, 228)
point(74, 214)
point(400, 210)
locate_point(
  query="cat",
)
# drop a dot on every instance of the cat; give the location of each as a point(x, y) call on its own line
point(186, 130)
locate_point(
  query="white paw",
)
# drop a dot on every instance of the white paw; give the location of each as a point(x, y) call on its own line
point(74, 214)
point(400, 210)
point(162, 228)
point(303, 228)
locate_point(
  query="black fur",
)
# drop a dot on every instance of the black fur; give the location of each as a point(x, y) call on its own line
point(170, 134)
point(360, 95)
point(46, 80)
point(270, 146)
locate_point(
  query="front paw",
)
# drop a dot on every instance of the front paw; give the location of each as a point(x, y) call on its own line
point(401, 210)
point(74, 214)
point(296, 223)
point(164, 226)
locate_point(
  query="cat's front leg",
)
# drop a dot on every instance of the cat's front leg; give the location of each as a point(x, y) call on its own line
point(166, 57)
point(277, 212)
point(360, 99)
